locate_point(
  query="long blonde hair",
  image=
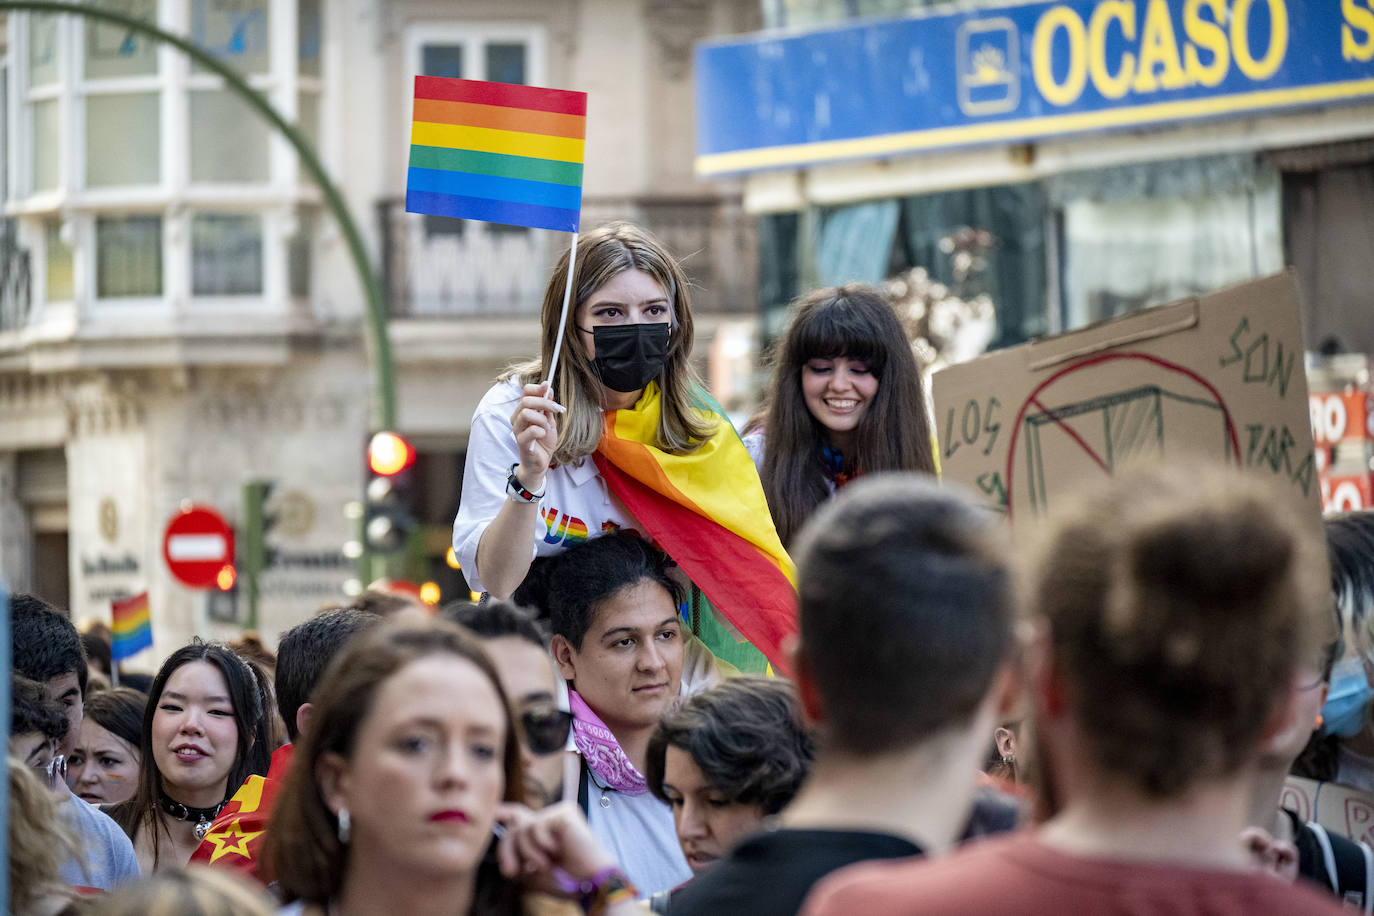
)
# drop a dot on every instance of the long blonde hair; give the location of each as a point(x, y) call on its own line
point(603, 254)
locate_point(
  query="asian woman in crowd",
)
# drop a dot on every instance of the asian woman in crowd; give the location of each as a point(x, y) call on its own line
point(846, 398)
point(204, 732)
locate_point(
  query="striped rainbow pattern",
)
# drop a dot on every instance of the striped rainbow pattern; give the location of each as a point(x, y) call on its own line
point(497, 152)
point(708, 511)
point(131, 626)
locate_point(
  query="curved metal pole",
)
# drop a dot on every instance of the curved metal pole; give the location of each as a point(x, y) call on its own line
point(372, 287)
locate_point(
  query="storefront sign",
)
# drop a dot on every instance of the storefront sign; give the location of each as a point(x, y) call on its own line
point(1020, 73)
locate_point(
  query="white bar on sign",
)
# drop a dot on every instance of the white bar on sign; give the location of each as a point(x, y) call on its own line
point(196, 547)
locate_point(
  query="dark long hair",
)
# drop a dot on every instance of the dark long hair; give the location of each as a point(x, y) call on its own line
point(251, 752)
point(303, 847)
point(120, 712)
point(894, 435)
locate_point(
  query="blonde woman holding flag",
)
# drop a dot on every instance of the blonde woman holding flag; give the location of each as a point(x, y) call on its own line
point(621, 435)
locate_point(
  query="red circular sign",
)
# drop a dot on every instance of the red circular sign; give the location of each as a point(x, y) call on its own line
point(197, 545)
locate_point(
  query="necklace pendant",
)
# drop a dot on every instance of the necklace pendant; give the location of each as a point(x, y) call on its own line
point(202, 828)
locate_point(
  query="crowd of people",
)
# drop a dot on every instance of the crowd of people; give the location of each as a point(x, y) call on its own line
point(1093, 713)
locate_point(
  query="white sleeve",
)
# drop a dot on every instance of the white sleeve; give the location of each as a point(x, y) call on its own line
point(753, 444)
point(491, 452)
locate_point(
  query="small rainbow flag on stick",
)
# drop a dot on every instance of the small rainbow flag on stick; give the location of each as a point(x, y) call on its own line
point(131, 625)
point(497, 152)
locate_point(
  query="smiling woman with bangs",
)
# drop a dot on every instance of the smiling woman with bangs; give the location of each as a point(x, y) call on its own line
point(204, 733)
point(846, 399)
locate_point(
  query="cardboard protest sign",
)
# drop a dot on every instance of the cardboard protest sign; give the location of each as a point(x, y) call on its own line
point(1218, 377)
point(1340, 809)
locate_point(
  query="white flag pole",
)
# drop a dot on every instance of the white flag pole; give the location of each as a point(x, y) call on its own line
point(563, 318)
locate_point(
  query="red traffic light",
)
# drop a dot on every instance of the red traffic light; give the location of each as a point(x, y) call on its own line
point(389, 454)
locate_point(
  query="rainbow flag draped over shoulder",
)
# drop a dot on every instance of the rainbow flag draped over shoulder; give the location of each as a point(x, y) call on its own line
point(497, 152)
point(131, 626)
point(708, 511)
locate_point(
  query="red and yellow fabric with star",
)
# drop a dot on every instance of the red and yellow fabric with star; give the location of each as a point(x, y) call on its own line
point(235, 839)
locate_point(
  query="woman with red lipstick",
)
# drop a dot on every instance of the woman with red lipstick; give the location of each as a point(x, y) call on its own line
point(204, 733)
point(409, 774)
point(846, 399)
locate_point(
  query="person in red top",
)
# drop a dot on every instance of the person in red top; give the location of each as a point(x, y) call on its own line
point(235, 838)
point(1172, 610)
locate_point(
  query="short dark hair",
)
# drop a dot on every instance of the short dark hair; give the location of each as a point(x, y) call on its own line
point(495, 619)
point(905, 610)
point(119, 711)
point(305, 650)
point(747, 738)
point(588, 574)
point(97, 648)
point(46, 644)
point(33, 711)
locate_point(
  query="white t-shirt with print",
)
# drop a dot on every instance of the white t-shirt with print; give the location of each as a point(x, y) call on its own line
point(576, 506)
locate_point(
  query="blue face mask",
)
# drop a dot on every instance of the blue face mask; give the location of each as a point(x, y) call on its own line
point(1347, 703)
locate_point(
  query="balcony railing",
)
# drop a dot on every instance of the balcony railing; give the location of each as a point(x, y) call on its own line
point(14, 280)
point(438, 268)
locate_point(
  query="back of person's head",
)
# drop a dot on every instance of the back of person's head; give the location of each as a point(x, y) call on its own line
point(305, 651)
point(1178, 603)
point(192, 891)
point(46, 644)
point(250, 648)
point(95, 641)
point(745, 735)
point(119, 711)
point(582, 577)
point(31, 710)
point(496, 619)
point(905, 610)
point(40, 841)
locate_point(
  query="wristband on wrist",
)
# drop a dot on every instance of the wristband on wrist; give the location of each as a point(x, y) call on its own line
point(516, 490)
point(605, 889)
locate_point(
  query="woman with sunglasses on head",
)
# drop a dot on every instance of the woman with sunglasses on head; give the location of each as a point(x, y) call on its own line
point(548, 469)
point(103, 767)
point(846, 399)
point(402, 800)
point(204, 732)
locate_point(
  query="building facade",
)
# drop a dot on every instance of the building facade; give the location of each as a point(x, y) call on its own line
point(1120, 154)
point(178, 312)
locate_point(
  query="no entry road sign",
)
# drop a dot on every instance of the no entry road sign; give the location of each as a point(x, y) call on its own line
point(197, 545)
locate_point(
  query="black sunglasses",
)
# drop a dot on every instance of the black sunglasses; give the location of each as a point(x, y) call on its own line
point(546, 728)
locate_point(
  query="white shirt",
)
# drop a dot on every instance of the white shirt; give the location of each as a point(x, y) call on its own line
point(638, 832)
point(577, 504)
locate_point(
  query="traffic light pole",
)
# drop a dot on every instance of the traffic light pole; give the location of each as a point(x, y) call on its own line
point(252, 557)
point(372, 287)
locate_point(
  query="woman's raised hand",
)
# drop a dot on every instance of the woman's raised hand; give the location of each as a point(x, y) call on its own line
point(536, 434)
point(537, 845)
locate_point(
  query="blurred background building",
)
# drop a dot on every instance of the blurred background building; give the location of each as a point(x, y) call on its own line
point(178, 314)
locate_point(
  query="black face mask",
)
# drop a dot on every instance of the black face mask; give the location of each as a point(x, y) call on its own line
point(629, 356)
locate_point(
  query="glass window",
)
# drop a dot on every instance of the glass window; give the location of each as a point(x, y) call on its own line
point(234, 30)
point(42, 49)
point(228, 139)
point(59, 273)
point(308, 37)
point(128, 256)
point(442, 60)
point(226, 254)
point(122, 139)
point(45, 139)
point(114, 50)
point(506, 63)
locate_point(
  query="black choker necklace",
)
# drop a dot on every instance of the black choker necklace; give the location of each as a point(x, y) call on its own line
point(201, 817)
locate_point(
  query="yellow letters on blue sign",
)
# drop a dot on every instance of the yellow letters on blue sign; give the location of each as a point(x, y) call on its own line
point(1216, 34)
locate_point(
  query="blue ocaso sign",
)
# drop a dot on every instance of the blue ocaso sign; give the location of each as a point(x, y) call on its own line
point(1020, 73)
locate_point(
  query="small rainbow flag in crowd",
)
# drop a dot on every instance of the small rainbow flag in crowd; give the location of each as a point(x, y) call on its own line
point(497, 152)
point(132, 626)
